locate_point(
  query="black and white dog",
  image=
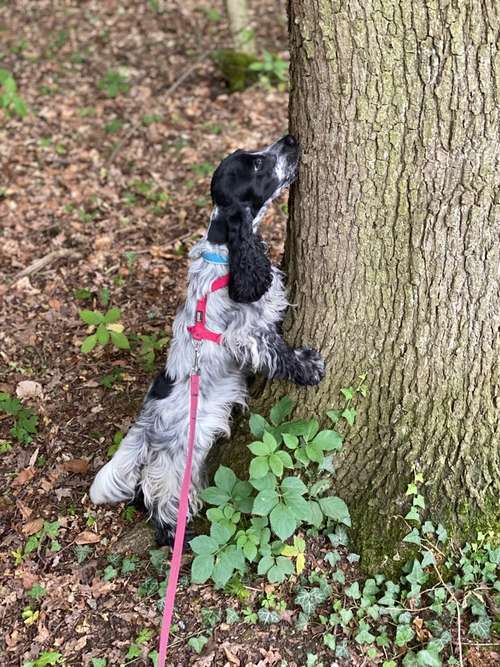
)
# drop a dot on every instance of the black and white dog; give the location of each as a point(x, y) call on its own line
point(150, 460)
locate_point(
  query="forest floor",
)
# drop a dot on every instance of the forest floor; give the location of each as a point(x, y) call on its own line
point(111, 192)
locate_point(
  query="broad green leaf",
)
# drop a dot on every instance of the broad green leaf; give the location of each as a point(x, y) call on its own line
point(281, 410)
point(265, 501)
point(223, 570)
point(265, 564)
point(225, 479)
point(353, 591)
point(91, 317)
point(259, 448)
point(283, 522)
point(89, 343)
point(328, 441)
point(222, 532)
point(259, 467)
point(296, 428)
point(320, 487)
point(299, 506)
point(270, 441)
point(102, 335)
point(276, 465)
point(201, 568)
point(334, 415)
point(258, 425)
point(428, 559)
point(203, 544)
point(316, 516)
point(335, 508)
point(364, 636)
point(311, 430)
point(113, 315)
point(214, 496)
point(293, 485)
point(314, 452)
point(290, 440)
point(481, 628)
point(286, 459)
point(119, 340)
point(266, 482)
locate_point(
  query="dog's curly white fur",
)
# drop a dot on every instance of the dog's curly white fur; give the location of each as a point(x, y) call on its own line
point(150, 459)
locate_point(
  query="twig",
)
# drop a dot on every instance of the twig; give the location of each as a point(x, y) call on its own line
point(44, 261)
point(168, 92)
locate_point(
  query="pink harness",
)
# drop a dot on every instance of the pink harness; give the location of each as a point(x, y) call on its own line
point(199, 332)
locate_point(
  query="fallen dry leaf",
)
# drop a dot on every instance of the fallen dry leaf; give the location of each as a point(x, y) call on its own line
point(80, 466)
point(87, 537)
point(24, 476)
point(230, 656)
point(29, 389)
point(32, 527)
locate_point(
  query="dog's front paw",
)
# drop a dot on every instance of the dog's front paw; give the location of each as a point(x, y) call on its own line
point(165, 535)
point(311, 369)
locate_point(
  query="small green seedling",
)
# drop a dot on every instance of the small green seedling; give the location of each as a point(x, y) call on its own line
point(108, 329)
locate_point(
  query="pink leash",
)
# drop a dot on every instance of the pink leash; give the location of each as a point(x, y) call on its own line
point(199, 333)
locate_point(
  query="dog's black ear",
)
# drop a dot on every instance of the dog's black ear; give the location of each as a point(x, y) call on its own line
point(217, 232)
point(249, 266)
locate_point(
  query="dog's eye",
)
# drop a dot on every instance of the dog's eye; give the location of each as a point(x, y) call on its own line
point(258, 163)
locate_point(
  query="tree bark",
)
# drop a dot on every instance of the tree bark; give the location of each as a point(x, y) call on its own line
point(239, 25)
point(392, 251)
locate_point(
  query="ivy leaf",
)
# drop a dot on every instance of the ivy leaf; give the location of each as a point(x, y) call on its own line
point(281, 410)
point(201, 568)
point(417, 574)
point(428, 559)
point(428, 658)
point(336, 509)
point(268, 616)
point(413, 515)
point(442, 533)
point(364, 636)
point(353, 591)
point(283, 521)
point(349, 414)
point(413, 537)
point(481, 628)
point(404, 634)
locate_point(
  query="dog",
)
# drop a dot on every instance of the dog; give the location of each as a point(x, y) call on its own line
point(245, 315)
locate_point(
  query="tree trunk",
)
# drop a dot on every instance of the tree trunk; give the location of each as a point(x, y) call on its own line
point(239, 25)
point(393, 251)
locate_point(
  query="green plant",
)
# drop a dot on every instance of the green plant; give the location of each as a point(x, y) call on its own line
point(272, 69)
point(10, 100)
point(288, 490)
point(82, 552)
point(136, 649)
point(151, 344)
point(25, 421)
point(49, 530)
point(114, 83)
point(44, 659)
point(108, 328)
point(198, 643)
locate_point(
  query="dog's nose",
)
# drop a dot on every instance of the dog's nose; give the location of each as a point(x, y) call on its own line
point(289, 140)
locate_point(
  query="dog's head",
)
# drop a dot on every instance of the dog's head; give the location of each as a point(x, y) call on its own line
point(243, 186)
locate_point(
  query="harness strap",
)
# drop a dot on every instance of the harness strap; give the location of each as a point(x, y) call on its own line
point(199, 332)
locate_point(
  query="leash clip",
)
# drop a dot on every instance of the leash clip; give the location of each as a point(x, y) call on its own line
point(195, 369)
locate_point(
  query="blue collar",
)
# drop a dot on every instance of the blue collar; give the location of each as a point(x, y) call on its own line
point(214, 258)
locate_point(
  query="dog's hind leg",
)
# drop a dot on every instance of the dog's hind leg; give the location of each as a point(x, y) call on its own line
point(118, 479)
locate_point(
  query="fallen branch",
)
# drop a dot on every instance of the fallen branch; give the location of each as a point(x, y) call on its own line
point(44, 261)
point(168, 92)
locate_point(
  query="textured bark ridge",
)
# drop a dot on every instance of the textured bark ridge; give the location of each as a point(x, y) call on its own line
point(393, 249)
